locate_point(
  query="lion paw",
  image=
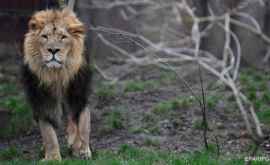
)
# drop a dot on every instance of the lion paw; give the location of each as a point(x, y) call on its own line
point(84, 153)
point(52, 156)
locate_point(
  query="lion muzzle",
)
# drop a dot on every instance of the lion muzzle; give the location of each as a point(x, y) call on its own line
point(53, 60)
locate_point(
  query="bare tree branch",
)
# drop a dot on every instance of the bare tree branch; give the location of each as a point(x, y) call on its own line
point(163, 54)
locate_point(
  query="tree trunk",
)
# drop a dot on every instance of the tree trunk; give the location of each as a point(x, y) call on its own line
point(253, 48)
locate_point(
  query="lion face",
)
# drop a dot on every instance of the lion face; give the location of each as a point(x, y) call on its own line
point(54, 45)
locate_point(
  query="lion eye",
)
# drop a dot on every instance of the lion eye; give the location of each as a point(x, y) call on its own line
point(44, 36)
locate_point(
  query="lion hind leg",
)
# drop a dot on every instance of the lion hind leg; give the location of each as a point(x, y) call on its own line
point(50, 142)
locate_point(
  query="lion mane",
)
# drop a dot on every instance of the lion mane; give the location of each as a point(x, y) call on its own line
point(31, 46)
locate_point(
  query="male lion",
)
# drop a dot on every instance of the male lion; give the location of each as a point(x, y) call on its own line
point(56, 77)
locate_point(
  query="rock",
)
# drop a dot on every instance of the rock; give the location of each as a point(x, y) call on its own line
point(220, 125)
point(166, 127)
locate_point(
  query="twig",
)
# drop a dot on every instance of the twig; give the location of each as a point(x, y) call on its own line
point(217, 145)
point(203, 109)
point(104, 75)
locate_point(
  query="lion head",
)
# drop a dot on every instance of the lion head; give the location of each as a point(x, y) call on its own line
point(54, 45)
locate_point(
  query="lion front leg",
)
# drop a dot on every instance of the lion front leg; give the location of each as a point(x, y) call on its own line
point(84, 133)
point(72, 129)
point(78, 135)
point(50, 142)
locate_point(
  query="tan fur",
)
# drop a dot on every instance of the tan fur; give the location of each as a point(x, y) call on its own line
point(60, 19)
point(78, 135)
point(50, 142)
point(71, 130)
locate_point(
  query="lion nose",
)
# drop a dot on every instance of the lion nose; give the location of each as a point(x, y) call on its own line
point(53, 51)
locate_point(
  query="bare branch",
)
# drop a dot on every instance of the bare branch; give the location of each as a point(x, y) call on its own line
point(163, 53)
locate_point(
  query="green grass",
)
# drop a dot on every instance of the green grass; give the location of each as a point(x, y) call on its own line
point(106, 91)
point(255, 86)
point(7, 88)
point(168, 77)
point(211, 101)
point(20, 113)
point(148, 124)
point(112, 120)
point(264, 115)
point(198, 124)
point(128, 155)
point(166, 106)
point(165, 110)
point(151, 142)
point(10, 153)
point(165, 78)
point(21, 116)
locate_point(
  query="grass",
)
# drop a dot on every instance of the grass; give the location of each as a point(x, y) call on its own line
point(255, 86)
point(106, 91)
point(166, 106)
point(148, 124)
point(165, 78)
point(151, 142)
point(7, 88)
point(21, 114)
point(168, 77)
point(165, 110)
point(10, 153)
point(113, 119)
point(128, 155)
point(198, 124)
point(211, 101)
point(264, 116)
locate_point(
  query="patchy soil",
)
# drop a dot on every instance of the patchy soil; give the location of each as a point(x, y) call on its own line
point(129, 116)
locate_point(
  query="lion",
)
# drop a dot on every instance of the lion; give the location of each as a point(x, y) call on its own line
point(56, 78)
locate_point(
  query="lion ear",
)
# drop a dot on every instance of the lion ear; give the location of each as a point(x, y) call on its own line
point(77, 29)
point(34, 24)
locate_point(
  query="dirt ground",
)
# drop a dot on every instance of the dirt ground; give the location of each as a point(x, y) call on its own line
point(128, 117)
